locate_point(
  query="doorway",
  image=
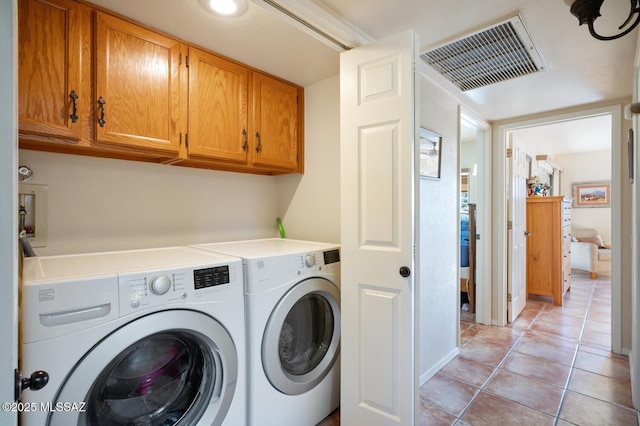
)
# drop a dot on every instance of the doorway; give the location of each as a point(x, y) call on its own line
point(475, 195)
point(564, 183)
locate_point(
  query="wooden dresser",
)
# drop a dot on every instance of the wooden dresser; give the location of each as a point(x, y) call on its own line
point(549, 246)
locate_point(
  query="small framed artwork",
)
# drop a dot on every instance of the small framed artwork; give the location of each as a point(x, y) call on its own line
point(596, 194)
point(430, 153)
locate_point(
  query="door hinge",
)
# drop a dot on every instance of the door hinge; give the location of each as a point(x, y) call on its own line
point(509, 297)
point(509, 152)
point(509, 224)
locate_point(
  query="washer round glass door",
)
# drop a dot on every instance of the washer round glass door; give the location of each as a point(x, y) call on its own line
point(301, 341)
point(169, 367)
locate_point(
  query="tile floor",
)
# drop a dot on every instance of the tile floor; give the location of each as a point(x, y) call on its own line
point(552, 366)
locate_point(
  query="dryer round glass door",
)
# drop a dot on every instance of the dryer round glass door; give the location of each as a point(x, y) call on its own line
point(168, 367)
point(302, 337)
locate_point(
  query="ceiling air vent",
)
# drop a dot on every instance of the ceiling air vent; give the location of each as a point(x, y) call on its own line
point(500, 52)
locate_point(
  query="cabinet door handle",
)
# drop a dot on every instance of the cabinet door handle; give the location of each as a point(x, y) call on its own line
point(101, 102)
point(74, 98)
point(526, 234)
point(245, 145)
point(259, 146)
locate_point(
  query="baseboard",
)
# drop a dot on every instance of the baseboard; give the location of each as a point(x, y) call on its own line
point(433, 370)
point(635, 393)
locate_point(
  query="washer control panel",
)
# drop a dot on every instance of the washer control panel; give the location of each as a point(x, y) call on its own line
point(200, 284)
point(320, 260)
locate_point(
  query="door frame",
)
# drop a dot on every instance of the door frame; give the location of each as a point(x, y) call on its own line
point(8, 203)
point(500, 212)
point(483, 213)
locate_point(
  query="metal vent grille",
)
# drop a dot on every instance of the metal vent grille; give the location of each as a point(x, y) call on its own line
point(497, 53)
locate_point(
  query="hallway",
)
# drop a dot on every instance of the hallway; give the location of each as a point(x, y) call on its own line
point(552, 366)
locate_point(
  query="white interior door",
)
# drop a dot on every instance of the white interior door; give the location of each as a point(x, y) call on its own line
point(378, 135)
point(8, 204)
point(517, 206)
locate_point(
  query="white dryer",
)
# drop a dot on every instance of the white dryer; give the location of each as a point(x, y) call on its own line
point(293, 328)
point(139, 337)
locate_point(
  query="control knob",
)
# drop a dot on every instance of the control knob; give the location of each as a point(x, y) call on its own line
point(160, 285)
point(310, 260)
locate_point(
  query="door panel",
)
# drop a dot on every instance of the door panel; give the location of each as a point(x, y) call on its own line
point(378, 214)
point(517, 281)
point(217, 108)
point(54, 65)
point(138, 77)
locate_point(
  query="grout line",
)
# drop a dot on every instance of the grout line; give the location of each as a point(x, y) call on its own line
point(575, 356)
point(495, 371)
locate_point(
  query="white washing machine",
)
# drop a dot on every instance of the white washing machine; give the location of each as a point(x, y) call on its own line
point(292, 296)
point(139, 337)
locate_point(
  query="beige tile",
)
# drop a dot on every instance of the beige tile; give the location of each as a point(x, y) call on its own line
point(537, 368)
point(579, 312)
point(555, 350)
point(433, 416)
point(447, 393)
point(583, 410)
point(490, 410)
point(557, 317)
point(499, 336)
point(484, 352)
point(592, 337)
point(564, 331)
point(598, 326)
point(602, 387)
point(616, 367)
point(467, 370)
point(529, 392)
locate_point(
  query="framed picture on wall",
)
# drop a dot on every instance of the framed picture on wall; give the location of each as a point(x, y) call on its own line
point(430, 153)
point(592, 194)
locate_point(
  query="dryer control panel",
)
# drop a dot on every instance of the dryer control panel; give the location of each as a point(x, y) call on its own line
point(150, 289)
point(272, 271)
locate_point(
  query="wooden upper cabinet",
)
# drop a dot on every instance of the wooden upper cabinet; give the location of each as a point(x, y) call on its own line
point(54, 69)
point(217, 108)
point(137, 87)
point(276, 130)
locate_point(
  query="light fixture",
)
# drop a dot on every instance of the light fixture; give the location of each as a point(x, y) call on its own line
point(587, 11)
point(225, 8)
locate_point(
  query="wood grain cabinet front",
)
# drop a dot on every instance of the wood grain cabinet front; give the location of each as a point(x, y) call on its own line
point(93, 83)
point(276, 129)
point(137, 87)
point(218, 109)
point(548, 246)
point(54, 72)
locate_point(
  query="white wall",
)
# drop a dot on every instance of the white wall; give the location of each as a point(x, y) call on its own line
point(98, 204)
point(439, 236)
point(587, 167)
point(310, 204)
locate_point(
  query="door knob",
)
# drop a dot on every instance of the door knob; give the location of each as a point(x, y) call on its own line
point(527, 234)
point(405, 271)
point(36, 381)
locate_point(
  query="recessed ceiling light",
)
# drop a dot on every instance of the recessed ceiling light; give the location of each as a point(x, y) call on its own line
point(227, 8)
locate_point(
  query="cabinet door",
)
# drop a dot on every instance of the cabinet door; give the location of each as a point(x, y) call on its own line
point(275, 124)
point(54, 75)
point(137, 87)
point(217, 108)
